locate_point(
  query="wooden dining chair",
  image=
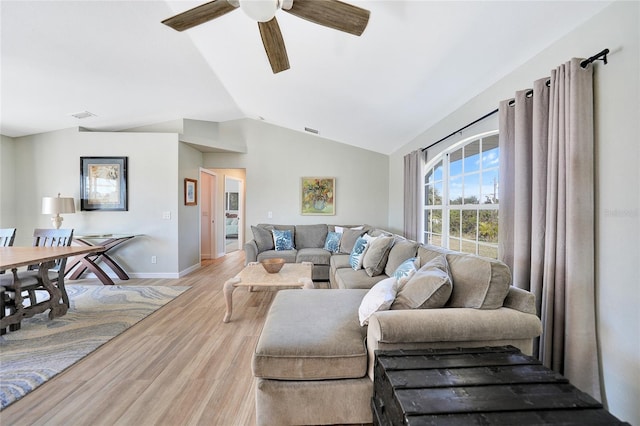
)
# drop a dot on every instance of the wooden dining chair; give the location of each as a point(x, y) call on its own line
point(29, 279)
point(7, 236)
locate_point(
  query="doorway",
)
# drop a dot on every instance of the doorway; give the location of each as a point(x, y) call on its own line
point(208, 197)
point(233, 190)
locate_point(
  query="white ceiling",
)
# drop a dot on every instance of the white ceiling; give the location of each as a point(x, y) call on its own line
point(416, 62)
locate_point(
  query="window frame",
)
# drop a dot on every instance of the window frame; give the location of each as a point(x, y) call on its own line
point(445, 208)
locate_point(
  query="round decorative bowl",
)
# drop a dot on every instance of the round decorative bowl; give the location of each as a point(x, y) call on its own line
point(272, 266)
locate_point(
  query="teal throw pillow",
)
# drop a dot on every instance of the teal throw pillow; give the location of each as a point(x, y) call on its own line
point(357, 253)
point(405, 270)
point(332, 243)
point(282, 240)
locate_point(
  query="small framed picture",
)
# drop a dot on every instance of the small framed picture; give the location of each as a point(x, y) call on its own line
point(190, 192)
point(103, 183)
point(318, 196)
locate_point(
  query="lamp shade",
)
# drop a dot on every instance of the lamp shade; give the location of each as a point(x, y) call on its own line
point(58, 205)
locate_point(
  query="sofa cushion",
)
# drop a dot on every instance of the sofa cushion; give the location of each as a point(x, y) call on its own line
point(379, 298)
point(263, 237)
point(348, 278)
point(375, 258)
point(348, 240)
point(289, 256)
point(402, 250)
point(428, 288)
point(478, 282)
point(317, 256)
point(311, 236)
point(312, 335)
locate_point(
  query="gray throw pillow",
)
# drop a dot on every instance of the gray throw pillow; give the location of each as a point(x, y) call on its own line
point(263, 238)
point(375, 258)
point(430, 287)
point(348, 240)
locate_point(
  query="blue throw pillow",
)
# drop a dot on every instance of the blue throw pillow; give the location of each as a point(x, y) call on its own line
point(282, 240)
point(405, 270)
point(332, 243)
point(357, 253)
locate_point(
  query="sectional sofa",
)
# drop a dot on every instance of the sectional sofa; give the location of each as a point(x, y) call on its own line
point(315, 355)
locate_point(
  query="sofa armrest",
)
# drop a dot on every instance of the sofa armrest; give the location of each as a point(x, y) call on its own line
point(521, 300)
point(250, 252)
point(449, 327)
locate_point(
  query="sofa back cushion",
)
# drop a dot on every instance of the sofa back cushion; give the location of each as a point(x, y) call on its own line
point(263, 237)
point(311, 236)
point(478, 282)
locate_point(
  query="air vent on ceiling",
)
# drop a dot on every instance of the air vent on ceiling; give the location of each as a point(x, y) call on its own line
point(82, 114)
point(310, 130)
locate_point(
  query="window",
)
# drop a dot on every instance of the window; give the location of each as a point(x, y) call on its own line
point(461, 197)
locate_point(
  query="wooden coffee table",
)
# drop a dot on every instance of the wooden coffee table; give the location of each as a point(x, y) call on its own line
point(254, 275)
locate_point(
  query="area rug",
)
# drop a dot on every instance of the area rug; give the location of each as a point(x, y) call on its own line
point(43, 348)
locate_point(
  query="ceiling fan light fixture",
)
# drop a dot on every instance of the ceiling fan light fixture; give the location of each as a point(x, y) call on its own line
point(260, 10)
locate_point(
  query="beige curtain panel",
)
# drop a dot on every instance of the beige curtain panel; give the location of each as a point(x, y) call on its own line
point(547, 214)
point(413, 198)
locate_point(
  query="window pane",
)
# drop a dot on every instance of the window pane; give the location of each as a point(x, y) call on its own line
point(471, 188)
point(455, 163)
point(437, 171)
point(490, 187)
point(436, 221)
point(472, 157)
point(455, 190)
point(490, 152)
point(428, 195)
point(454, 244)
point(454, 223)
point(437, 194)
point(488, 226)
point(469, 224)
point(436, 240)
point(467, 246)
point(488, 250)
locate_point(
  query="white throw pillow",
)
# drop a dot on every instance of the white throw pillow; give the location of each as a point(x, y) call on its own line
point(379, 298)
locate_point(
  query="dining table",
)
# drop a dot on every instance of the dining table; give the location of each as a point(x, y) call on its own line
point(14, 257)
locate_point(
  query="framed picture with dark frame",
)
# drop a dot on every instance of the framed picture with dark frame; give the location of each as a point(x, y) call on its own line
point(103, 183)
point(190, 192)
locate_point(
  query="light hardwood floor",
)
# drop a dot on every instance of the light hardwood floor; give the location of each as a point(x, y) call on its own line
point(180, 366)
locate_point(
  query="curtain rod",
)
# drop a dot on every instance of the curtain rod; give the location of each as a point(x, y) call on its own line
point(598, 56)
point(602, 56)
point(461, 129)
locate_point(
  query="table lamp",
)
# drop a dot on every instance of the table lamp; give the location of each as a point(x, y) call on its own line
point(56, 206)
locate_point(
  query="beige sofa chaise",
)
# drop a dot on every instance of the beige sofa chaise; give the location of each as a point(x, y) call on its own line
point(314, 360)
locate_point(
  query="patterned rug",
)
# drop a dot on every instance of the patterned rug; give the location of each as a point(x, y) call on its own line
point(43, 348)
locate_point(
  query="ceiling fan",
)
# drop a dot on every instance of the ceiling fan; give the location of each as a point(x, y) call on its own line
point(329, 13)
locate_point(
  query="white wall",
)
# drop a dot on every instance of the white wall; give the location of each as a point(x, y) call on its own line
point(7, 182)
point(277, 158)
point(190, 160)
point(617, 108)
point(48, 163)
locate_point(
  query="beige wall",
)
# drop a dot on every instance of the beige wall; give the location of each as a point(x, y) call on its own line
point(48, 163)
point(277, 158)
point(617, 108)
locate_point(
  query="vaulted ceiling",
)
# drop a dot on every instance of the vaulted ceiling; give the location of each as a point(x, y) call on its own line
point(416, 62)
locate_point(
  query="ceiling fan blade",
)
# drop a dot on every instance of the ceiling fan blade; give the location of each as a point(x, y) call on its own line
point(199, 15)
point(333, 14)
point(274, 45)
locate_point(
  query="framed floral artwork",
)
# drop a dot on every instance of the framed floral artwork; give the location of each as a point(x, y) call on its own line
point(190, 192)
point(103, 183)
point(318, 196)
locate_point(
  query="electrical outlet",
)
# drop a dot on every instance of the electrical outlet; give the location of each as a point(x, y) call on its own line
point(270, 215)
point(154, 259)
point(166, 215)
